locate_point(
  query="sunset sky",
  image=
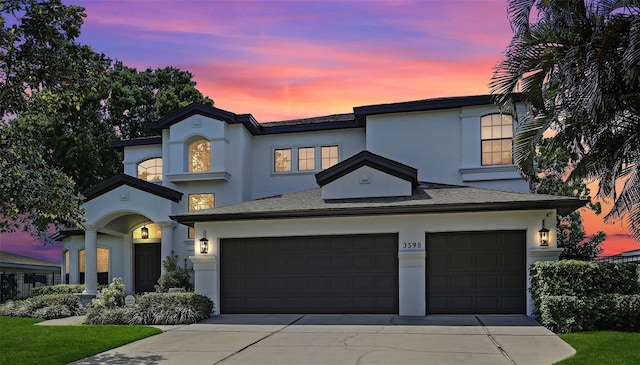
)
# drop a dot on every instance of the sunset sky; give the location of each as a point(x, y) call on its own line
point(289, 59)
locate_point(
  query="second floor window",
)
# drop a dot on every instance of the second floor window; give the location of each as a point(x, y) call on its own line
point(306, 158)
point(329, 156)
point(150, 170)
point(199, 202)
point(199, 156)
point(282, 160)
point(496, 131)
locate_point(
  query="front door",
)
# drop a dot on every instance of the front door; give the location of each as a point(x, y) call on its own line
point(147, 266)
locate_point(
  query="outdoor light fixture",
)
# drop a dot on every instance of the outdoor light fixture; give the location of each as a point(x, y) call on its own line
point(544, 235)
point(144, 232)
point(204, 243)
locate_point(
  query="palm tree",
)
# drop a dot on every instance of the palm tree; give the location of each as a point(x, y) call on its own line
point(577, 65)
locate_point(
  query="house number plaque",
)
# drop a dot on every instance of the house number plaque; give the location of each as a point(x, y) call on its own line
point(411, 245)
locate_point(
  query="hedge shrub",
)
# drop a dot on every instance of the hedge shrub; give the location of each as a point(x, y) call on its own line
point(46, 306)
point(576, 295)
point(156, 309)
point(57, 289)
point(567, 313)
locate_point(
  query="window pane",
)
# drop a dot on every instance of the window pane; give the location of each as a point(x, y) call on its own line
point(150, 170)
point(67, 256)
point(200, 201)
point(329, 156)
point(496, 131)
point(506, 158)
point(306, 158)
point(486, 159)
point(282, 160)
point(506, 145)
point(486, 133)
point(506, 131)
point(200, 156)
point(485, 121)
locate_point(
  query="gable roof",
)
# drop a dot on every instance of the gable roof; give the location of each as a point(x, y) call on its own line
point(366, 158)
point(15, 260)
point(143, 141)
point(123, 179)
point(427, 198)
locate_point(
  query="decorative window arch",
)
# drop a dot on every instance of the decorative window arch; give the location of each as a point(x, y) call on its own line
point(496, 133)
point(199, 156)
point(150, 170)
point(102, 265)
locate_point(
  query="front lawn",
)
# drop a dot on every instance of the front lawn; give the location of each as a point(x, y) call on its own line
point(603, 347)
point(22, 342)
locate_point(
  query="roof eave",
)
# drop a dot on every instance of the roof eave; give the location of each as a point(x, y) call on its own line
point(564, 207)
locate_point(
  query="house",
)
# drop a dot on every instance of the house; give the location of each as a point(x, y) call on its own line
point(411, 208)
point(19, 274)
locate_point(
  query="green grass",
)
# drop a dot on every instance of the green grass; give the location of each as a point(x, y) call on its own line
point(22, 342)
point(603, 347)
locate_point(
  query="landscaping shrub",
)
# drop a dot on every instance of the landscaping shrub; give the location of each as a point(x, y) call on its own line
point(110, 297)
point(121, 315)
point(577, 295)
point(174, 275)
point(57, 289)
point(46, 306)
point(171, 308)
point(566, 313)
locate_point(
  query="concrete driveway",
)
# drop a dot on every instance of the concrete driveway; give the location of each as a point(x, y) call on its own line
point(346, 339)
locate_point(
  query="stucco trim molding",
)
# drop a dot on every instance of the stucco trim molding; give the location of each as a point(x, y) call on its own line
point(545, 252)
point(198, 176)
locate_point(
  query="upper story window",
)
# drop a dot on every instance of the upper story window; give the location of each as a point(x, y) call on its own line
point(497, 139)
point(329, 156)
point(199, 202)
point(150, 170)
point(306, 158)
point(282, 160)
point(199, 156)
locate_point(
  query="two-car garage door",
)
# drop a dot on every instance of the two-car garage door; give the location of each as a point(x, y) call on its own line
point(466, 272)
point(320, 274)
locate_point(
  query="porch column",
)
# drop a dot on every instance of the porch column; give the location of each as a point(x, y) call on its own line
point(166, 243)
point(91, 261)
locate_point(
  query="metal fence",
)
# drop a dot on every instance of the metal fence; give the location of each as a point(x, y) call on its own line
point(635, 259)
point(18, 285)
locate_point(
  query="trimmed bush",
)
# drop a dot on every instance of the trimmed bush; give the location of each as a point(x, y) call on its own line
point(171, 308)
point(46, 306)
point(567, 313)
point(110, 297)
point(57, 289)
point(105, 315)
point(577, 296)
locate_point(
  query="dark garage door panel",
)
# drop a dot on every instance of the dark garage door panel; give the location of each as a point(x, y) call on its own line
point(320, 274)
point(476, 272)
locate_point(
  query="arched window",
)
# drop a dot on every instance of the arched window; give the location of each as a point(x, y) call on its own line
point(102, 267)
point(150, 170)
point(199, 156)
point(496, 132)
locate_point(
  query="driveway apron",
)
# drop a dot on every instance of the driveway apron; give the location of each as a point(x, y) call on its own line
point(346, 339)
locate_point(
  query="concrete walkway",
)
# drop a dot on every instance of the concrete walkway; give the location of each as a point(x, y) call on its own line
point(346, 339)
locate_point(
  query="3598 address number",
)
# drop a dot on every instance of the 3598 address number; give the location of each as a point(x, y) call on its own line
point(411, 245)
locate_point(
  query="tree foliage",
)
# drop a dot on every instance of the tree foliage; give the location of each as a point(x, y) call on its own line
point(32, 193)
point(551, 167)
point(577, 64)
point(65, 105)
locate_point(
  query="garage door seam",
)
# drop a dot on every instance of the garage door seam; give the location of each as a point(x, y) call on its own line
point(495, 342)
point(261, 339)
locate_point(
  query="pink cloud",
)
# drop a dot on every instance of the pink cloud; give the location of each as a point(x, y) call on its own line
point(22, 243)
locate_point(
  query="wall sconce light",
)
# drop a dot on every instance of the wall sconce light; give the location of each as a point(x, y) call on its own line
point(204, 243)
point(544, 235)
point(144, 231)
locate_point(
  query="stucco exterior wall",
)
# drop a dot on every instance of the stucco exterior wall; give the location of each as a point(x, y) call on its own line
point(410, 228)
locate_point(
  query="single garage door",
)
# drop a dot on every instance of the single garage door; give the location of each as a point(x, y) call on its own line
point(319, 274)
point(476, 272)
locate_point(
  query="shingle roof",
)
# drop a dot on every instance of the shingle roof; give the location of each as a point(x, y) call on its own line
point(15, 259)
point(124, 179)
point(427, 198)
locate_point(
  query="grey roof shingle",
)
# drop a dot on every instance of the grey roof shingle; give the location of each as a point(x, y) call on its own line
point(427, 198)
point(15, 259)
